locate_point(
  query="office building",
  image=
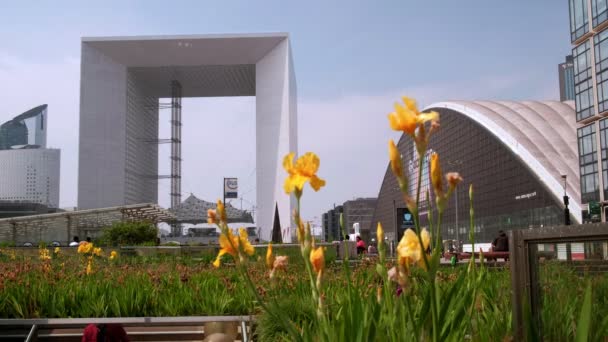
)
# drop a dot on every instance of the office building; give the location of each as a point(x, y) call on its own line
point(29, 172)
point(566, 79)
point(589, 38)
point(30, 175)
point(27, 129)
point(360, 211)
point(516, 154)
point(331, 224)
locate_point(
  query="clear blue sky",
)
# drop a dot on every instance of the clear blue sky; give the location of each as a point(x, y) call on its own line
point(339, 46)
point(352, 60)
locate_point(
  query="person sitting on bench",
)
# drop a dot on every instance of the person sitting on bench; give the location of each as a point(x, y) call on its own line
point(360, 245)
point(501, 243)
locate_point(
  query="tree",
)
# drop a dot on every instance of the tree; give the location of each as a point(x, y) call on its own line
point(129, 233)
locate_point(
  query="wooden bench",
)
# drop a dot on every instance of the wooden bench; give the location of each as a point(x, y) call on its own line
point(486, 255)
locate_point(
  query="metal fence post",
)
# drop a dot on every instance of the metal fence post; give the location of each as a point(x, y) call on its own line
point(69, 229)
point(519, 283)
point(14, 232)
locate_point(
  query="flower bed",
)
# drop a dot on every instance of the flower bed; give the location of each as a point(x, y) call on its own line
point(162, 286)
point(301, 295)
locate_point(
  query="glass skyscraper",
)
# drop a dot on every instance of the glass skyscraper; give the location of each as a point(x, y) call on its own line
point(589, 38)
point(566, 79)
point(29, 171)
point(25, 130)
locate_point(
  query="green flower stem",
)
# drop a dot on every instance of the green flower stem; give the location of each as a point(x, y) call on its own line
point(434, 312)
point(243, 272)
point(306, 256)
point(472, 229)
point(419, 184)
point(288, 325)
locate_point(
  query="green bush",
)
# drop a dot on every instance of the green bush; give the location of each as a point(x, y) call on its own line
point(130, 234)
point(171, 243)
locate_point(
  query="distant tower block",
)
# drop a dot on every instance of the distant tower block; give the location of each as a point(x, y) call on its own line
point(122, 80)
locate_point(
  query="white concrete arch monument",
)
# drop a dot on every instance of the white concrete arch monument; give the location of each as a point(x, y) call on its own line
point(122, 79)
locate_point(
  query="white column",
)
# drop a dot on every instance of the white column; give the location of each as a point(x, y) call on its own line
point(101, 162)
point(276, 136)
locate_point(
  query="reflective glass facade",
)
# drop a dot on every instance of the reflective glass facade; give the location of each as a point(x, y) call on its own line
point(588, 164)
point(579, 19)
point(412, 173)
point(360, 211)
point(604, 149)
point(331, 224)
point(599, 11)
point(566, 79)
point(507, 194)
point(591, 95)
point(28, 128)
point(600, 41)
point(583, 82)
point(569, 88)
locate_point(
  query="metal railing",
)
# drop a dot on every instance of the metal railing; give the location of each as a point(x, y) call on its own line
point(527, 258)
point(137, 328)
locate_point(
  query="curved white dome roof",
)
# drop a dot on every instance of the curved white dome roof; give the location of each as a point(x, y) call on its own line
point(541, 133)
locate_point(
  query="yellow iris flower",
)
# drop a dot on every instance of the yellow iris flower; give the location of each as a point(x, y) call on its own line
point(395, 157)
point(211, 216)
point(269, 257)
point(44, 254)
point(452, 179)
point(221, 211)
point(303, 171)
point(317, 259)
point(89, 267)
point(380, 233)
point(85, 247)
point(244, 243)
point(436, 176)
point(228, 245)
point(471, 192)
point(97, 251)
point(409, 250)
point(231, 244)
point(113, 255)
point(407, 118)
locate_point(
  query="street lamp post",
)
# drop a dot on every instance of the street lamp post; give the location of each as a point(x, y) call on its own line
point(566, 202)
point(457, 226)
point(456, 163)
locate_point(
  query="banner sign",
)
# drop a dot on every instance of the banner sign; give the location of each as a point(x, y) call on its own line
point(405, 220)
point(231, 188)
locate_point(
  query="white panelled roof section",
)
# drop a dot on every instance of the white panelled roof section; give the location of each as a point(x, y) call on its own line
point(541, 133)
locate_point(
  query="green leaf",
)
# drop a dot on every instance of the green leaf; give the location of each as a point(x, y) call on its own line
point(450, 296)
point(530, 329)
point(380, 270)
point(584, 321)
